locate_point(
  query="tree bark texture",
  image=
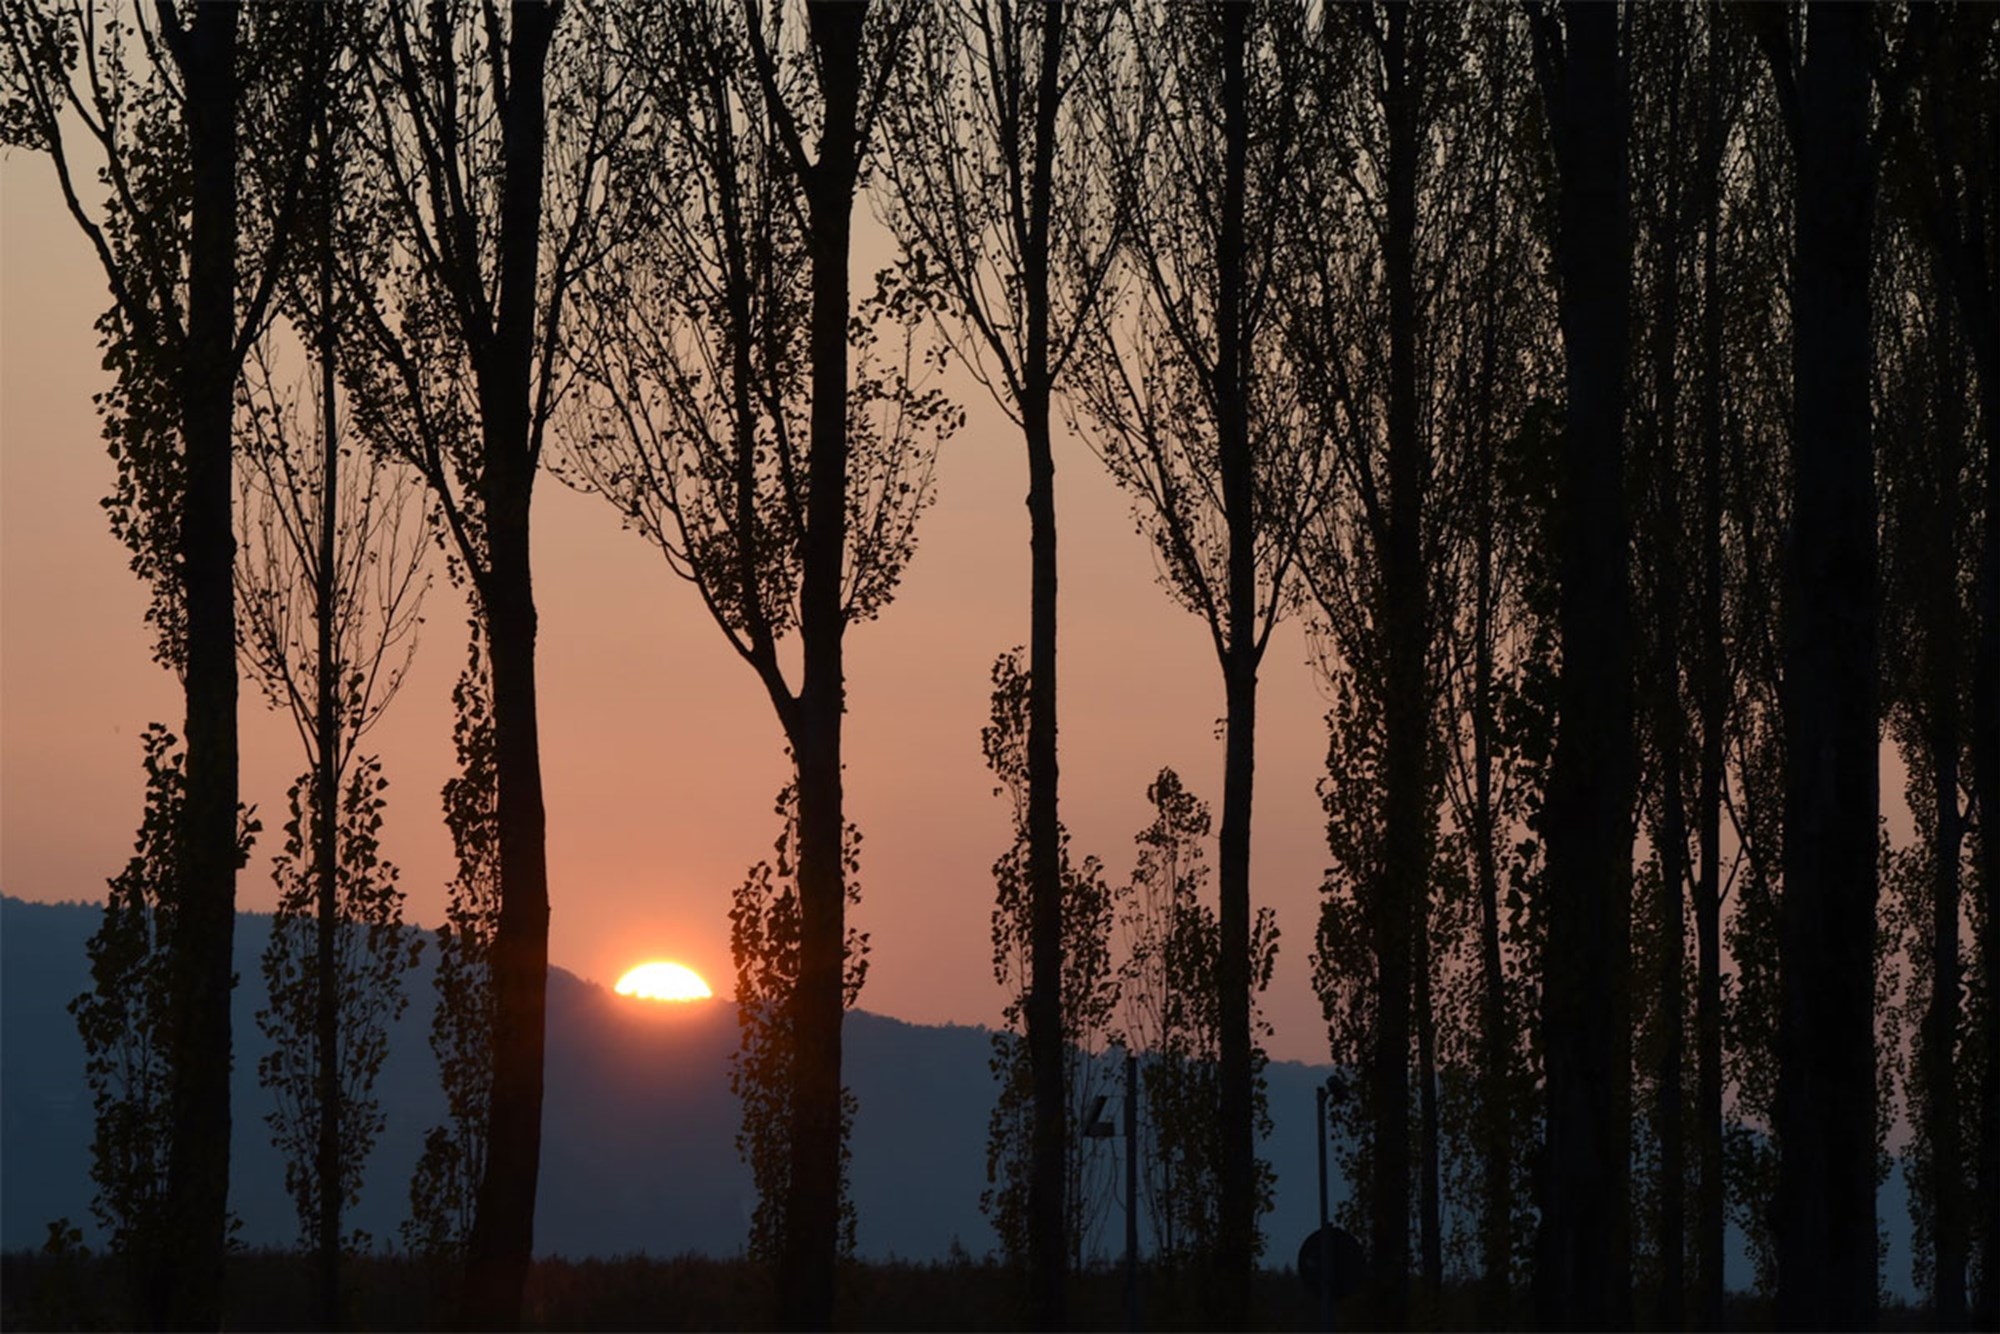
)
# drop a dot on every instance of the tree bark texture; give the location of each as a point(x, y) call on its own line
point(1584, 1273)
point(1825, 1114)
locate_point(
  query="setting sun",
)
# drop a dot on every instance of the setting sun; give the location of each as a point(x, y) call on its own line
point(663, 982)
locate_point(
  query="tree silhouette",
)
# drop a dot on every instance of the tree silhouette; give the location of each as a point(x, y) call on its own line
point(1946, 132)
point(1014, 221)
point(1826, 1096)
point(1583, 1274)
point(765, 928)
point(1088, 995)
point(444, 1188)
point(1184, 391)
point(125, 1022)
point(473, 211)
point(1376, 358)
point(330, 583)
point(772, 440)
point(1171, 1002)
point(197, 115)
point(1928, 572)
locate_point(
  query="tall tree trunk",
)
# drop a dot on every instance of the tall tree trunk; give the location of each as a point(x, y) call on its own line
point(1668, 721)
point(204, 920)
point(1429, 1131)
point(1496, 1247)
point(1714, 706)
point(1404, 614)
point(1935, 537)
point(1496, 1044)
point(1584, 1275)
point(1986, 793)
point(326, 772)
point(1825, 1115)
point(503, 1229)
point(1238, 1193)
point(812, 1211)
point(1940, 1028)
point(1048, 1184)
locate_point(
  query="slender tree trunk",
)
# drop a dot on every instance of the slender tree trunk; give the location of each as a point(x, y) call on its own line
point(204, 919)
point(1825, 1116)
point(1933, 534)
point(1496, 1259)
point(1714, 706)
point(1584, 1275)
point(1429, 1131)
point(326, 773)
point(1406, 788)
point(1049, 1185)
point(1496, 1046)
point(1238, 1202)
point(503, 1229)
point(1048, 1182)
point(812, 1211)
point(1986, 793)
point(1940, 1029)
point(1669, 728)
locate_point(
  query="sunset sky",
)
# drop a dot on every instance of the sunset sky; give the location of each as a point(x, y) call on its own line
point(661, 756)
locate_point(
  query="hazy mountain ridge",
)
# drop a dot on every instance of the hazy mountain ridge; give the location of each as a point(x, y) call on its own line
point(638, 1151)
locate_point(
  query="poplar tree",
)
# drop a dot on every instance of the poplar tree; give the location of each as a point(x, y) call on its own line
point(998, 191)
point(1187, 401)
point(197, 114)
point(1583, 1269)
point(330, 580)
point(473, 212)
point(771, 436)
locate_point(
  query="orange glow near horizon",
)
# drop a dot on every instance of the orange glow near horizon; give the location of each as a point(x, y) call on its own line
point(663, 981)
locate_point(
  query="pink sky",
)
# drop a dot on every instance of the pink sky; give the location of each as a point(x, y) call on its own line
point(661, 757)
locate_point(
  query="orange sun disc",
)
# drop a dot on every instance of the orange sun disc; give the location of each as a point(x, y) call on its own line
point(663, 982)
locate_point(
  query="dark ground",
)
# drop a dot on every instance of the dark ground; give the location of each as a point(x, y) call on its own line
point(272, 1291)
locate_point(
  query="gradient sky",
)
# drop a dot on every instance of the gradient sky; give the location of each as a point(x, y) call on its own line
point(661, 756)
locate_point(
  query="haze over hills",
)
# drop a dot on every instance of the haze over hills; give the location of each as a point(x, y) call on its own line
point(638, 1153)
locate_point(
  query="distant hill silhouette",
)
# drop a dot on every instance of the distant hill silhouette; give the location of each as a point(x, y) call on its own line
point(639, 1149)
point(638, 1153)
